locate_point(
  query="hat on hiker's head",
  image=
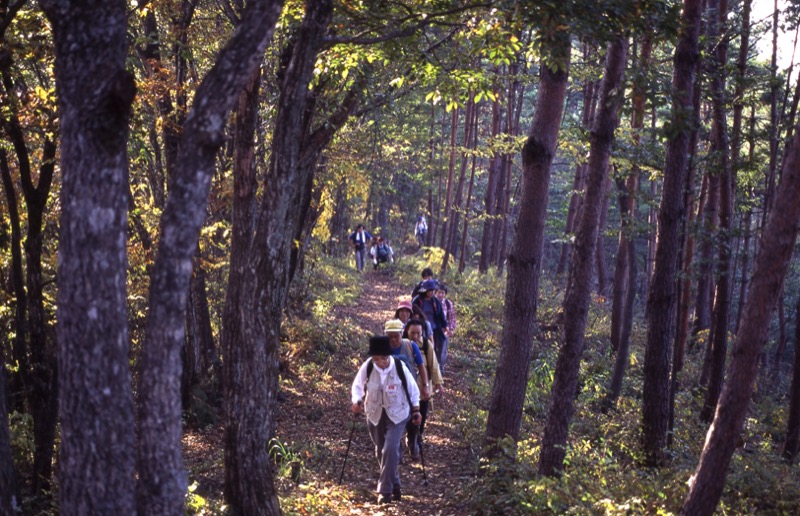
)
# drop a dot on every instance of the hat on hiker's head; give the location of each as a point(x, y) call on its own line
point(403, 304)
point(428, 284)
point(379, 345)
point(393, 325)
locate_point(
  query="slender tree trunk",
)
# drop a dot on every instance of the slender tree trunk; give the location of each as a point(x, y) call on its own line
point(576, 302)
point(524, 261)
point(20, 382)
point(662, 300)
point(470, 124)
point(489, 199)
point(447, 214)
point(162, 478)
point(9, 503)
point(96, 405)
point(771, 265)
point(792, 444)
point(600, 250)
point(719, 132)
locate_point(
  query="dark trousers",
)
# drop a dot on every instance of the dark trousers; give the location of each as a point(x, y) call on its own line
point(414, 432)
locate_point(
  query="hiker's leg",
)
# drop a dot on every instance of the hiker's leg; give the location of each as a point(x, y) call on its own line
point(412, 432)
point(390, 455)
point(443, 360)
point(423, 410)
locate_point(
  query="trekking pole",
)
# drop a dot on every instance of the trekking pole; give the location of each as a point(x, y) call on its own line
point(349, 441)
point(422, 458)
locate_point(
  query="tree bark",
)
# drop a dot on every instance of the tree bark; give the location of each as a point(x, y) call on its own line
point(662, 299)
point(162, 480)
point(489, 199)
point(792, 444)
point(96, 405)
point(9, 503)
point(524, 260)
point(576, 302)
point(253, 334)
point(719, 132)
point(771, 265)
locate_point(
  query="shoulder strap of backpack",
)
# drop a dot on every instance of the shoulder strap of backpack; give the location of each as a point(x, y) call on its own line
point(401, 373)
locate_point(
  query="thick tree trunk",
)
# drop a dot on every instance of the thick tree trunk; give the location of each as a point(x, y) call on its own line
point(792, 444)
point(162, 478)
point(662, 300)
point(771, 264)
point(96, 405)
point(252, 380)
point(576, 302)
point(719, 132)
point(524, 260)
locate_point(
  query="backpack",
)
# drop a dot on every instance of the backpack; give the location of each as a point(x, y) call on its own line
point(400, 373)
point(383, 252)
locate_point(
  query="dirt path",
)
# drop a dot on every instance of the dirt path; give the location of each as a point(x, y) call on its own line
point(314, 420)
point(445, 453)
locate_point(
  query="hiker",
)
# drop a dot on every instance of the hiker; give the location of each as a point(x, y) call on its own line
point(360, 238)
point(413, 332)
point(449, 309)
point(381, 252)
point(403, 311)
point(421, 230)
point(430, 305)
point(427, 274)
point(389, 400)
point(416, 313)
point(408, 352)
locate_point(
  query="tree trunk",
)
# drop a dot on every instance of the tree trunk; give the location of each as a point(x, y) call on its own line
point(524, 260)
point(162, 478)
point(771, 265)
point(600, 250)
point(448, 198)
point(792, 444)
point(627, 206)
point(254, 332)
point(9, 503)
point(470, 126)
point(96, 405)
point(576, 302)
point(662, 300)
point(20, 381)
point(719, 147)
point(490, 196)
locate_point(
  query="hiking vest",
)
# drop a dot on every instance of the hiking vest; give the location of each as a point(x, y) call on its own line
point(392, 397)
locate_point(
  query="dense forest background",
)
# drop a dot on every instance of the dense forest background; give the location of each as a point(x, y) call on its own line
point(179, 177)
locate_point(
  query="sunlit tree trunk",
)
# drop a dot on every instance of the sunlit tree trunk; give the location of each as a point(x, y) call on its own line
point(662, 300)
point(576, 301)
point(771, 264)
point(524, 260)
point(489, 199)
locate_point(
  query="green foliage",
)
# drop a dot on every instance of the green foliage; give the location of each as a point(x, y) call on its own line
point(288, 462)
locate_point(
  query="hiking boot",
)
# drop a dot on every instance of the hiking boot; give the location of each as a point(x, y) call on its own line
point(384, 499)
point(397, 494)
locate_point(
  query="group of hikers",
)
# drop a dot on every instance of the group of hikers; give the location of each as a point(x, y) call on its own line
point(378, 249)
point(405, 368)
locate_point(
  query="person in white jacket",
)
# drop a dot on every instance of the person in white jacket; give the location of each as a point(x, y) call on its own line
point(389, 401)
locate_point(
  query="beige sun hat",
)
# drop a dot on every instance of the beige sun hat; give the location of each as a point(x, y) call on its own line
point(393, 325)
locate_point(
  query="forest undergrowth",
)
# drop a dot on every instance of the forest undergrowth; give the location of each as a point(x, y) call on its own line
point(333, 312)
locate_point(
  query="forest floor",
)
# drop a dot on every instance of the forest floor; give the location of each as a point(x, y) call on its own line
point(315, 418)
